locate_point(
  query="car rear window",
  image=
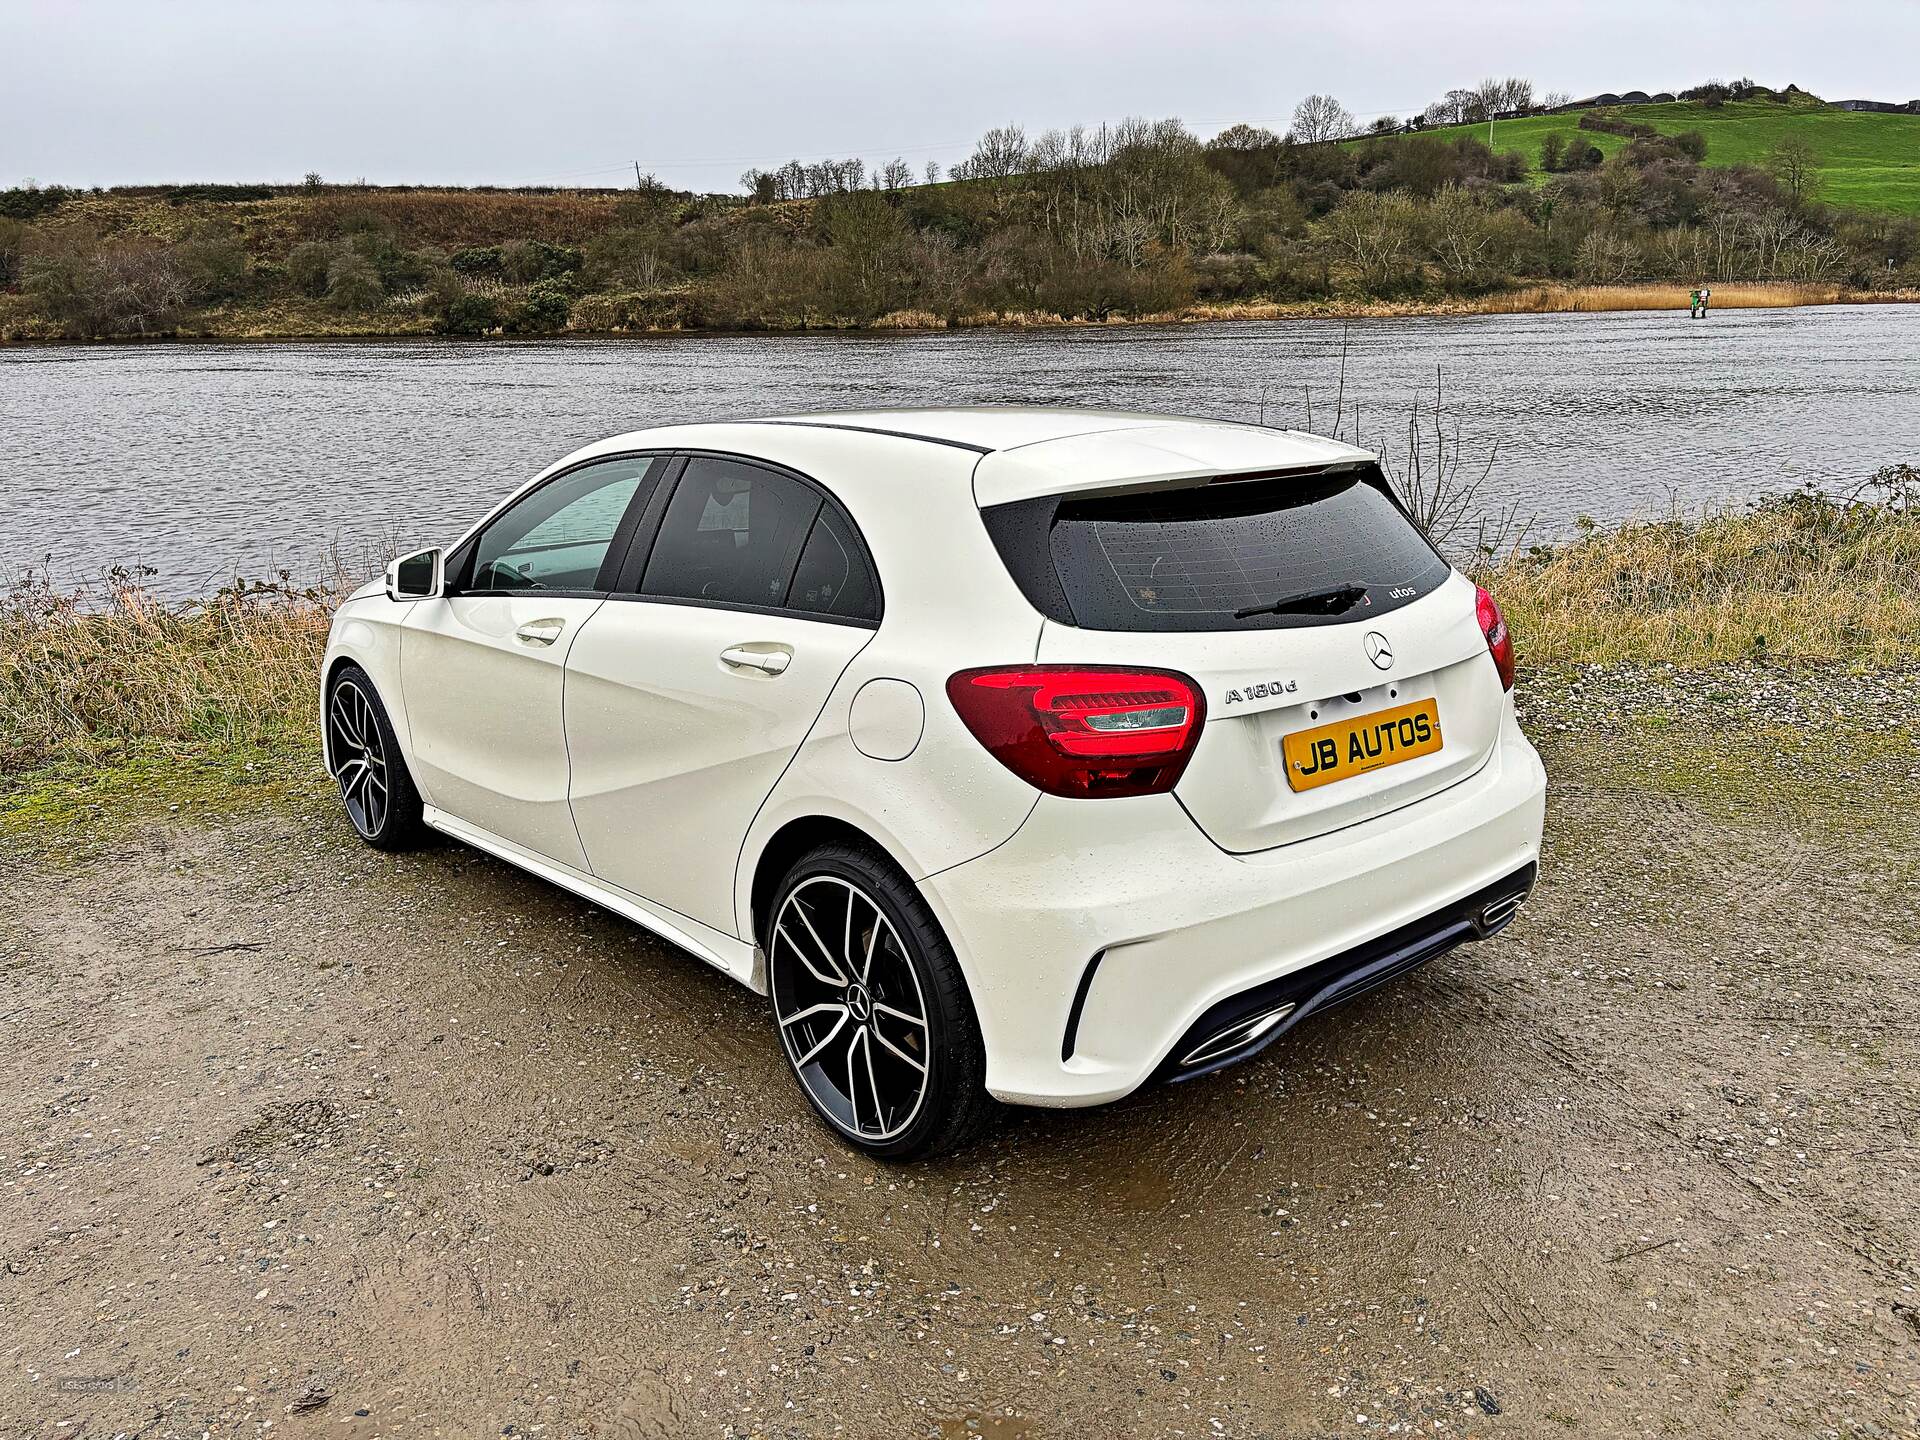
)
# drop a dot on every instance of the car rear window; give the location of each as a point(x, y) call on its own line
point(1189, 558)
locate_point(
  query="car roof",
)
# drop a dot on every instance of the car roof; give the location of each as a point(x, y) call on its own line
point(1025, 452)
point(992, 428)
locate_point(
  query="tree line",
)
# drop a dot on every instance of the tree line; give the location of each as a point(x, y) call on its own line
point(1136, 218)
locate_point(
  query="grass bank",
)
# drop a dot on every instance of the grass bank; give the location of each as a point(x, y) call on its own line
point(1804, 578)
point(1863, 160)
point(114, 705)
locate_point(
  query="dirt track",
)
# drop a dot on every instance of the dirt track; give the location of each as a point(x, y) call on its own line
point(284, 1118)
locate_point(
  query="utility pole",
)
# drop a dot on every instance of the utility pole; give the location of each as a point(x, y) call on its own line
point(636, 175)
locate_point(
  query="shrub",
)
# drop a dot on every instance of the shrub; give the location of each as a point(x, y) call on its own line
point(543, 312)
point(442, 289)
point(213, 264)
point(30, 202)
point(652, 310)
point(768, 286)
point(526, 261)
point(398, 267)
point(470, 315)
point(307, 266)
point(480, 262)
point(630, 257)
point(1227, 277)
point(1375, 234)
point(214, 194)
point(14, 235)
point(1581, 154)
point(88, 286)
point(1611, 124)
point(353, 283)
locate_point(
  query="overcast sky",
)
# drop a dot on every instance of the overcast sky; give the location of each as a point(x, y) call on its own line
point(574, 93)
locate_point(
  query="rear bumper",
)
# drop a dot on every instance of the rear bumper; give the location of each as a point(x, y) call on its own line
point(1243, 1025)
point(1108, 942)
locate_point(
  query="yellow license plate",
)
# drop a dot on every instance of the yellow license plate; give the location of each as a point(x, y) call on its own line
point(1347, 748)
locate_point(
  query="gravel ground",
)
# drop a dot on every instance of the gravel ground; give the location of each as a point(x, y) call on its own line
point(300, 1137)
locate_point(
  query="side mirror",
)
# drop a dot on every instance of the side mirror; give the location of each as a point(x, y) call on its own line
point(419, 576)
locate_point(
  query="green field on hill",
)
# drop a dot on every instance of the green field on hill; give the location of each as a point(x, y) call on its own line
point(1867, 161)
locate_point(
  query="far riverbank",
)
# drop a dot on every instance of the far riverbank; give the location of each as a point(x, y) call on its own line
point(603, 315)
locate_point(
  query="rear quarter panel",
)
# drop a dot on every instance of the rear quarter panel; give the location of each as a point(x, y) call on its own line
point(949, 604)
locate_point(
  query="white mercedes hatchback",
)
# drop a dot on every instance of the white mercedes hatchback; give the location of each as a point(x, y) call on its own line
point(1016, 754)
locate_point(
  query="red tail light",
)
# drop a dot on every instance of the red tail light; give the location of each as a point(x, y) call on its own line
point(1499, 642)
point(1084, 731)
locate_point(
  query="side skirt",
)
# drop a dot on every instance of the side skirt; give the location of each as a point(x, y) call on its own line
point(742, 961)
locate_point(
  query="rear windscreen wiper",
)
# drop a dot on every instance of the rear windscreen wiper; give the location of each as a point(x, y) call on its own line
point(1334, 600)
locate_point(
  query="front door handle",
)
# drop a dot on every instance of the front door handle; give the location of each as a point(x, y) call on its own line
point(767, 659)
point(540, 632)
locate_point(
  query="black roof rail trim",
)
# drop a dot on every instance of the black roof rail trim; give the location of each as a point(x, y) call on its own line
point(876, 430)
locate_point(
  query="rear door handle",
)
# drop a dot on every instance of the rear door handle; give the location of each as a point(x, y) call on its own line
point(540, 632)
point(767, 659)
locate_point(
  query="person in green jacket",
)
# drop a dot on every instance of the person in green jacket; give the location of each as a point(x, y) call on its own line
point(1693, 303)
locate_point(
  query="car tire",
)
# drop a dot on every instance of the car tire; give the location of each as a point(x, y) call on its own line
point(872, 1010)
point(376, 789)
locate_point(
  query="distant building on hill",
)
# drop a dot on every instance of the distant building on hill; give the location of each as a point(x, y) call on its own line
point(1880, 107)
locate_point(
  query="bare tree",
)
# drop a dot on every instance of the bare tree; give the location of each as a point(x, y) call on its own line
point(932, 174)
point(1441, 487)
point(1002, 152)
point(896, 174)
point(1244, 137)
point(1795, 165)
point(1319, 119)
point(1456, 107)
point(1492, 97)
point(1607, 256)
point(1375, 233)
point(1460, 238)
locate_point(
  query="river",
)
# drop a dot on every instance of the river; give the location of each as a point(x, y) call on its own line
point(203, 460)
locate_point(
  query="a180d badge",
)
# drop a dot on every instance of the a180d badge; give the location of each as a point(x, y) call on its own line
point(1262, 691)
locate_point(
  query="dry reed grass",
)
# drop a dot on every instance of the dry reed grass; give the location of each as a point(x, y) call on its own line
point(1558, 299)
point(86, 676)
point(1804, 578)
point(1546, 299)
point(1549, 299)
point(909, 320)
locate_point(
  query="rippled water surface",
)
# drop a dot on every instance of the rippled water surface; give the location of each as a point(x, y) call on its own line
point(201, 459)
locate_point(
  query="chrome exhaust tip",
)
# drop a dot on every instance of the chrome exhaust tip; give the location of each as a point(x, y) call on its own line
point(1497, 913)
point(1237, 1035)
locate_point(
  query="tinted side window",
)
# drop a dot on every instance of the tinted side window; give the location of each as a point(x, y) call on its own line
point(832, 577)
point(732, 533)
point(557, 537)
